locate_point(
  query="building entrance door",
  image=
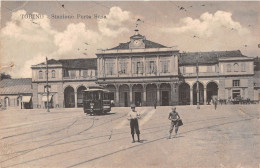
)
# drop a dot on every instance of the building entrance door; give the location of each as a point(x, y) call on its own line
point(165, 98)
point(126, 100)
point(138, 99)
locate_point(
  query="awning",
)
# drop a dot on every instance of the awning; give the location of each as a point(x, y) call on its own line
point(44, 98)
point(26, 99)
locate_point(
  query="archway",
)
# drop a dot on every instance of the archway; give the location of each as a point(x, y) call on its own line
point(137, 94)
point(151, 94)
point(69, 97)
point(6, 102)
point(112, 93)
point(80, 96)
point(201, 93)
point(165, 91)
point(124, 99)
point(212, 90)
point(184, 94)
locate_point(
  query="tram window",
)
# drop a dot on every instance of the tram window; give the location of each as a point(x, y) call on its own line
point(106, 96)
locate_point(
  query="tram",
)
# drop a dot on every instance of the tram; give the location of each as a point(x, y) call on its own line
point(96, 100)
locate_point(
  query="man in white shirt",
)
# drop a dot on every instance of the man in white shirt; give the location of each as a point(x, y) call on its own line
point(133, 116)
point(174, 117)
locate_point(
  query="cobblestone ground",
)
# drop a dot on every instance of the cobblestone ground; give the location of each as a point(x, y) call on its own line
point(226, 137)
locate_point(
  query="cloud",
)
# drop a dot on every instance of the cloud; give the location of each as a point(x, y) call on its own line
point(26, 42)
point(208, 24)
point(24, 39)
point(212, 31)
point(113, 25)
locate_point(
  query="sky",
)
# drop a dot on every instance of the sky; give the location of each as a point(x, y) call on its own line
point(189, 26)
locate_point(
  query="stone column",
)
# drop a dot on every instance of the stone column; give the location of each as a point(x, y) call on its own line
point(98, 67)
point(205, 96)
point(144, 68)
point(191, 96)
point(76, 100)
point(131, 93)
point(157, 66)
point(117, 67)
point(144, 95)
point(131, 70)
point(158, 94)
point(117, 95)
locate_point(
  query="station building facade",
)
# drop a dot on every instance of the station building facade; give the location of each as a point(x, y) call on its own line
point(16, 93)
point(145, 73)
point(66, 80)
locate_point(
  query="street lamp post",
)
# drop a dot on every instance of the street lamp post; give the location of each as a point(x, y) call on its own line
point(198, 94)
point(47, 87)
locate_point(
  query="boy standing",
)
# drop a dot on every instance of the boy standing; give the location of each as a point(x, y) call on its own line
point(133, 116)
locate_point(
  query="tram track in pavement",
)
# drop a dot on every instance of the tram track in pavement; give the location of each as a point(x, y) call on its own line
point(128, 148)
point(49, 144)
point(166, 125)
point(52, 143)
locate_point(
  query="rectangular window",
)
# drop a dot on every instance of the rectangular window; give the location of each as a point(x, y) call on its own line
point(45, 88)
point(165, 66)
point(53, 73)
point(236, 94)
point(139, 68)
point(236, 83)
point(85, 73)
point(228, 68)
point(243, 67)
point(109, 68)
point(151, 67)
point(123, 68)
point(40, 75)
point(73, 74)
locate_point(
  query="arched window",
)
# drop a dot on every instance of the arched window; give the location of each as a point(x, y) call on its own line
point(243, 67)
point(6, 102)
point(40, 75)
point(18, 101)
point(53, 73)
point(228, 68)
point(236, 67)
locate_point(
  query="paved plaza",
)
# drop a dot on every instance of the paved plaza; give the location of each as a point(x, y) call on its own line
point(226, 137)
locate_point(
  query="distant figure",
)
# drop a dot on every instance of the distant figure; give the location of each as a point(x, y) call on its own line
point(133, 116)
point(155, 103)
point(174, 117)
point(215, 103)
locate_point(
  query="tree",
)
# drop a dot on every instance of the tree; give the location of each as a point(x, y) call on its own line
point(4, 76)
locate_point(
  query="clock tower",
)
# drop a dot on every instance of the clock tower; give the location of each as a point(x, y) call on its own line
point(137, 40)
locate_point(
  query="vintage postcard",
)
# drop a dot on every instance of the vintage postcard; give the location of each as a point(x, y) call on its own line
point(130, 84)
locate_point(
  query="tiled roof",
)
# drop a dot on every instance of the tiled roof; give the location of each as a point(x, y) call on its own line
point(15, 86)
point(90, 63)
point(148, 44)
point(206, 57)
point(87, 63)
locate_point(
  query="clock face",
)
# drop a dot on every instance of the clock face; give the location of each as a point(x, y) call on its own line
point(137, 42)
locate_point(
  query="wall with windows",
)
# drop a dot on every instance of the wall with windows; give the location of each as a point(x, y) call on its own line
point(138, 66)
point(237, 68)
point(203, 69)
point(78, 73)
point(39, 74)
point(239, 87)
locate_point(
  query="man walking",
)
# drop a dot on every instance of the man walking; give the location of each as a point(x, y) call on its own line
point(174, 117)
point(133, 116)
